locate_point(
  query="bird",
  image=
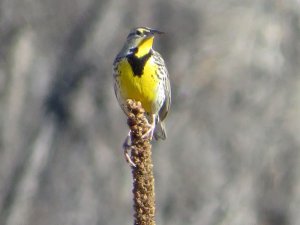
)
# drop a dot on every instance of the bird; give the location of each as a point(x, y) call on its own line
point(140, 74)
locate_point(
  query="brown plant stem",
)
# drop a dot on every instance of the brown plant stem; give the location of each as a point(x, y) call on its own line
point(142, 172)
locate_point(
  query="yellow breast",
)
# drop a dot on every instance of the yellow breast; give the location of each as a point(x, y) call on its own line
point(142, 87)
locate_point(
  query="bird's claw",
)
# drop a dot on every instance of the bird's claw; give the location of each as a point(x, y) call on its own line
point(127, 150)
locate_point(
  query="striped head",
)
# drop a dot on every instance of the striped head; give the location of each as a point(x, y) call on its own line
point(139, 41)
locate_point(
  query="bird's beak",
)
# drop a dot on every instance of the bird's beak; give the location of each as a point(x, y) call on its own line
point(154, 32)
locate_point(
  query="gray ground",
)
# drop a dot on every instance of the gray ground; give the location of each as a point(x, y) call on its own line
point(232, 153)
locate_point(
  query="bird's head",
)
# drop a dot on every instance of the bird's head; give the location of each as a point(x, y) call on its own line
point(140, 40)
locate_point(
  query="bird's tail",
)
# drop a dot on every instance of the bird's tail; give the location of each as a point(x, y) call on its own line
point(160, 131)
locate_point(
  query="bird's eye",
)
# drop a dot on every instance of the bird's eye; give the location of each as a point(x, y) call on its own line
point(138, 32)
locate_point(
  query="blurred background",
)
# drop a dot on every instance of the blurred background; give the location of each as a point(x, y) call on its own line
point(232, 153)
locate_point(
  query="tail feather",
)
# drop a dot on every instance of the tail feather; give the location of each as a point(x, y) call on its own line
point(160, 131)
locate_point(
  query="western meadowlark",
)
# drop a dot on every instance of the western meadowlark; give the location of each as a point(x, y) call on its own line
point(140, 74)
